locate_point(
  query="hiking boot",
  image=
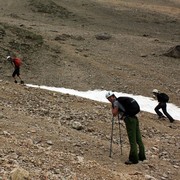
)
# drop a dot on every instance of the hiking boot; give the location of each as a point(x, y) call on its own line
point(15, 81)
point(142, 159)
point(171, 121)
point(22, 82)
point(128, 162)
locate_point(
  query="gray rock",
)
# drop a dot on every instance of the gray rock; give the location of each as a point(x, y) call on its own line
point(103, 36)
point(77, 125)
point(19, 174)
point(173, 52)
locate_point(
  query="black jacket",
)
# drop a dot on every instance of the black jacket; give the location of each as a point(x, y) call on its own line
point(160, 97)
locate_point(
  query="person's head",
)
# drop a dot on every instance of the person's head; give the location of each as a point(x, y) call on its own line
point(12, 56)
point(155, 91)
point(110, 96)
point(8, 58)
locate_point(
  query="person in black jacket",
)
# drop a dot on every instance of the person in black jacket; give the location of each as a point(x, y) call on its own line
point(120, 109)
point(161, 97)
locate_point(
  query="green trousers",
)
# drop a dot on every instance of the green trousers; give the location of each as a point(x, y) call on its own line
point(134, 136)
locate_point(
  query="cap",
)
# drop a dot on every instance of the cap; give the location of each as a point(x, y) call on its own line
point(109, 94)
point(155, 91)
point(8, 57)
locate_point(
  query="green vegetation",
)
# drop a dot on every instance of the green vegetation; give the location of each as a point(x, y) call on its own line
point(50, 8)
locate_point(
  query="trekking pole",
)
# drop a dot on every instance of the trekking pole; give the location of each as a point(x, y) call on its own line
point(110, 151)
point(120, 136)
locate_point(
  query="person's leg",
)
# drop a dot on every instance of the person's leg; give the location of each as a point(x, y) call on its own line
point(157, 110)
point(131, 132)
point(141, 154)
point(14, 75)
point(21, 81)
point(166, 113)
point(18, 74)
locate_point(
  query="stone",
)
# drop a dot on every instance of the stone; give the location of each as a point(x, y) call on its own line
point(19, 174)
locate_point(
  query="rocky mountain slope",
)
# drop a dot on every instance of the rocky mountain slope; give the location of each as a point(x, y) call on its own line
point(85, 44)
point(55, 136)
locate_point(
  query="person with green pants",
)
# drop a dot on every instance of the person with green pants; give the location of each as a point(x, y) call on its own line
point(134, 136)
point(127, 108)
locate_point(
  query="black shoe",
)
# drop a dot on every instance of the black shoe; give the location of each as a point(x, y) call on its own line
point(142, 159)
point(171, 121)
point(22, 82)
point(15, 81)
point(128, 162)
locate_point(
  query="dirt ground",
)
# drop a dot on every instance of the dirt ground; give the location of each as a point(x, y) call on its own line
point(86, 45)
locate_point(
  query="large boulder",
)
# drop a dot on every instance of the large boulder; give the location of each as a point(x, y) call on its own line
point(173, 52)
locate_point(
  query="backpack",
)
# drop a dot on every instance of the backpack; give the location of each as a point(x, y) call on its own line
point(164, 97)
point(17, 62)
point(130, 105)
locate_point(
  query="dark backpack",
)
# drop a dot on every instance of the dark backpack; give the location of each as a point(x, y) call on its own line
point(164, 97)
point(130, 105)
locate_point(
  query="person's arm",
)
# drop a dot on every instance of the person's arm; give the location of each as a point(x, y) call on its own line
point(12, 62)
point(115, 111)
point(159, 98)
point(117, 108)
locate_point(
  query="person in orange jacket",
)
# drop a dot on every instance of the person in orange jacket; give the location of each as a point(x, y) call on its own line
point(16, 62)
